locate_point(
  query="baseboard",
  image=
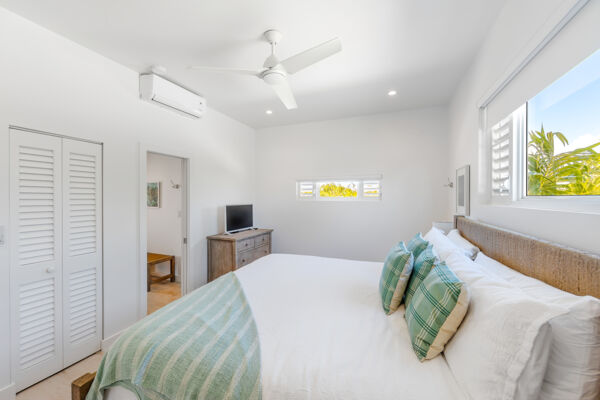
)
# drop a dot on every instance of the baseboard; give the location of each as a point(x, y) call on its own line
point(8, 392)
point(108, 342)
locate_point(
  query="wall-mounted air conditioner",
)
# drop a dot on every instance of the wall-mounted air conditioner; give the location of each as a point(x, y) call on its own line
point(163, 92)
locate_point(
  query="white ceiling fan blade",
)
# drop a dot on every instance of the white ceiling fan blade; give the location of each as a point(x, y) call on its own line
point(227, 70)
point(285, 94)
point(312, 56)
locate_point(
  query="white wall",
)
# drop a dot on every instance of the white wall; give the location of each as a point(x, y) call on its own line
point(517, 27)
point(50, 83)
point(164, 227)
point(408, 148)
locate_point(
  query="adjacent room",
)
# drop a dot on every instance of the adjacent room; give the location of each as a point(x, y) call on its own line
point(313, 200)
point(165, 228)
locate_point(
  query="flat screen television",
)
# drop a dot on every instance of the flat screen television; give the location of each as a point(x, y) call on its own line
point(238, 218)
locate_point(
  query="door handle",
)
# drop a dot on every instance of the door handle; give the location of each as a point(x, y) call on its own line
point(50, 270)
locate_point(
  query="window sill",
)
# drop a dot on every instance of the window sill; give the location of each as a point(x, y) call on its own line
point(569, 204)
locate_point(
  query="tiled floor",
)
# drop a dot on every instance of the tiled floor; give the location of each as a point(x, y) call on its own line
point(58, 386)
point(161, 294)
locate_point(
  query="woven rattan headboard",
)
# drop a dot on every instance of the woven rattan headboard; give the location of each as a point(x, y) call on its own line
point(568, 269)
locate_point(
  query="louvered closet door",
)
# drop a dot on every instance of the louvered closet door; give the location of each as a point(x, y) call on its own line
point(82, 251)
point(36, 256)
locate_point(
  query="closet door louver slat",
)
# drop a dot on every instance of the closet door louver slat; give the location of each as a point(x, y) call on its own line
point(36, 256)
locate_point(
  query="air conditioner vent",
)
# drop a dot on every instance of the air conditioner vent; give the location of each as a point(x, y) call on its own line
point(158, 90)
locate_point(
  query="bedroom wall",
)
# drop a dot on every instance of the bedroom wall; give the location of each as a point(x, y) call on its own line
point(408, 148)
point(164, 222)
point(519, 24)
point(50, 83)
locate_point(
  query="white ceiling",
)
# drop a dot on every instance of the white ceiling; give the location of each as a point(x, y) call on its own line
point(421, 48)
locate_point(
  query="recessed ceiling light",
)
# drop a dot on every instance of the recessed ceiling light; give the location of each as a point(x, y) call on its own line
point(269, 112)
point(392, 93)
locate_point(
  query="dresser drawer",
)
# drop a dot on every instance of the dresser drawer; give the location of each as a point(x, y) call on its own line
point(246, 244)
point(261, 252)
point(262, 240)
point(246, 257)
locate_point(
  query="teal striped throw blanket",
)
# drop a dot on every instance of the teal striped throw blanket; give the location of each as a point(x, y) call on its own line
point(202, 346)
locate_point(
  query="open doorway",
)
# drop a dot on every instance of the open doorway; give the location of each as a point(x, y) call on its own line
point(165, 227)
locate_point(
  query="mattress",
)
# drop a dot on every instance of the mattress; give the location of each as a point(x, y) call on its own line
point(324, 335)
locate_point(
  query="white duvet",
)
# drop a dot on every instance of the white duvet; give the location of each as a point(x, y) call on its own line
point(324, 335)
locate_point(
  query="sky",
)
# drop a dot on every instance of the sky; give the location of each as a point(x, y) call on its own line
point(571, 105)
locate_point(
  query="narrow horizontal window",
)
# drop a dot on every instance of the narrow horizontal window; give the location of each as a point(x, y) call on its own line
point(339, 189)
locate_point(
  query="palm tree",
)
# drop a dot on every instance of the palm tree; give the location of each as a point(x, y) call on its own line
point(575, 172)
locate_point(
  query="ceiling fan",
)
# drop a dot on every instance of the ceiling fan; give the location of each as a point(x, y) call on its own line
point(275, 73)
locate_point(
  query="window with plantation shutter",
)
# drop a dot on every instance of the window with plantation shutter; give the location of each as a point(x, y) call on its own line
point(339, 189)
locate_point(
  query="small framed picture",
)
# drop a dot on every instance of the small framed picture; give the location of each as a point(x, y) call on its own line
point(463, 193)
point(153, 193)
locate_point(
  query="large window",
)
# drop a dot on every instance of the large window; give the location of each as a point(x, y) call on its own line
point(339, 189)
point(557, 151)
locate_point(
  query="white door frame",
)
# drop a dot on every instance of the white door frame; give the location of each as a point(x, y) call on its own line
point(186, 255)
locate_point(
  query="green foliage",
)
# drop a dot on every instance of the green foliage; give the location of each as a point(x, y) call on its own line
point(575, 172)
point(336, 190)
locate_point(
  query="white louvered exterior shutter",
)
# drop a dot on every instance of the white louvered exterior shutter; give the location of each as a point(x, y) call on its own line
point(36, 256)
point(306, 189)
point(501, 157)
point(371, 189)
point(82, 254)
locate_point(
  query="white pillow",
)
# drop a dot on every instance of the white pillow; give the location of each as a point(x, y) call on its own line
point(442, 246)
point(574, 366)
point(495, 354)
point(467, 247)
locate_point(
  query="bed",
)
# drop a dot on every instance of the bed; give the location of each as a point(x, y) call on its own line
point(323, 334)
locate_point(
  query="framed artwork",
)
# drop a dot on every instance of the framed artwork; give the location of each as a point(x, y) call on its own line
point(463, 192)
point(153, 194)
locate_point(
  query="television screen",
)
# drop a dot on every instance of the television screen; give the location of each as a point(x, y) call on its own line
point(238, 217)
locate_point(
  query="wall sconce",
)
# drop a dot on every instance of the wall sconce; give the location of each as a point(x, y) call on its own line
point(449, 184)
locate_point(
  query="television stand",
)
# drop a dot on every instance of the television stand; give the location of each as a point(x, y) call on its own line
point(228, 252)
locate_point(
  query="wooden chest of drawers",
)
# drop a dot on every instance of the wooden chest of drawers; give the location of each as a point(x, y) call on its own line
point(226, 253)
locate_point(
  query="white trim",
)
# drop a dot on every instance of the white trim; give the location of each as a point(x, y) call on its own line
point(186, 255)
point(559, 19)
point(8, 392)
point(108, 342)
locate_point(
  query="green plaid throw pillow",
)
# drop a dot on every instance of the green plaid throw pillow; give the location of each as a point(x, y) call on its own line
point(421, 268)
point(435, 311)
point(394, 277)
point(417, 244)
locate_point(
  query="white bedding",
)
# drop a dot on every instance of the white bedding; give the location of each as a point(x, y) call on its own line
point(324, 335)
